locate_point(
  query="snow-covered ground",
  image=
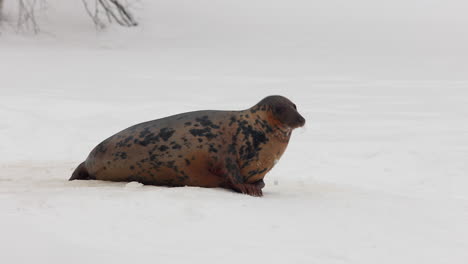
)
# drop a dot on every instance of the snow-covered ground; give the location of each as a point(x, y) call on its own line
point(378, 175)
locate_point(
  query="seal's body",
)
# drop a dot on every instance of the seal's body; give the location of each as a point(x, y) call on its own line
point(230, 149)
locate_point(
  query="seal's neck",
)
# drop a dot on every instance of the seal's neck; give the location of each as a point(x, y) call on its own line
point(261, 119)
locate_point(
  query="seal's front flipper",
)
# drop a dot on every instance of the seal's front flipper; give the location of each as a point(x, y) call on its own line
point(247, 188)
point(80, 173)
point(260, 184)
point(236, 180)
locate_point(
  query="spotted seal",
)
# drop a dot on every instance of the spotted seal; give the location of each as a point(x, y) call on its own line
point(228, 149)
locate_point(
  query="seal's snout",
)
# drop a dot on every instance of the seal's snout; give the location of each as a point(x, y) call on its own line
point(301, 121)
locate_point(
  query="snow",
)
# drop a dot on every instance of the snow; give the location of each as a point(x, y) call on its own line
point(378, 175)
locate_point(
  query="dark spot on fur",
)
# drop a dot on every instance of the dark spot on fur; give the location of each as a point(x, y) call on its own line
point(212, 148)
point(163, 148)
point(183, 177)
point(232, 120)
point(187, 162)
point(186, 142)
point(171, 165)
point(125, 142)
point(102, 147)
point(120, 155)
point(149, 137)
point(146, 131)
point(241, 150)
point(205, 132)
point(255, 172)
point(166, 133)
point(176, 146)
point(264, 124)
point(206, 122)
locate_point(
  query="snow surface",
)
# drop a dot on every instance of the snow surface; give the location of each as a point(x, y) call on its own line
point(378, 175)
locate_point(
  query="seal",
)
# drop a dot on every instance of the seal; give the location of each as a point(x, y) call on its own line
point(228, 149)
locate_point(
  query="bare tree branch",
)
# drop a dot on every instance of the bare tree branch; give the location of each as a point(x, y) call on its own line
point(124, 13)
point(94, 15)
point(1, 10)
point(114, 10)
point(27, 16)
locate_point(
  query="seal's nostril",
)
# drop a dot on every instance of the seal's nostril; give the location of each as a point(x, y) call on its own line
point(302, 120)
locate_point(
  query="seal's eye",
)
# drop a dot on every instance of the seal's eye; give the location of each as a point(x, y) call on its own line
point(294, 105)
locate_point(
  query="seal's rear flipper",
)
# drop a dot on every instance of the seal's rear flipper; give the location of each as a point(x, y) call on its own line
point(80, 173)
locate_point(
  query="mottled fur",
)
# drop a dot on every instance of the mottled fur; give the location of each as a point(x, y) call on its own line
point(230, 149)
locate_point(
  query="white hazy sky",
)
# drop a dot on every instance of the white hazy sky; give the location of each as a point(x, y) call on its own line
point(419, 39)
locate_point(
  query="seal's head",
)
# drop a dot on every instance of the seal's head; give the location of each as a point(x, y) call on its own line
point(283, 111)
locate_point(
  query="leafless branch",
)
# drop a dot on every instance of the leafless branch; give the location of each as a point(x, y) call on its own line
point(113, 10)
point(1, 10)
point(94, 15)
point(27, 16)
